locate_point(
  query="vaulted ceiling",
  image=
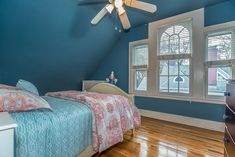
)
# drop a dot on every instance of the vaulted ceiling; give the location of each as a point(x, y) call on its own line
point(52, 43)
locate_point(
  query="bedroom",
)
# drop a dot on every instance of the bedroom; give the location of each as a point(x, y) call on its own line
point(53, 45)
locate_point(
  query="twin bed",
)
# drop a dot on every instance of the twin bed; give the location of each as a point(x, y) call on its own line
point(67, 131)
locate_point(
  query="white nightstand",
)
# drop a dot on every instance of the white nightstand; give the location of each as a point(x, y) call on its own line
point(7, 126)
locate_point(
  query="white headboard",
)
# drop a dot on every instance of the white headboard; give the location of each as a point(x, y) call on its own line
point(87, 84)
point(108, 88)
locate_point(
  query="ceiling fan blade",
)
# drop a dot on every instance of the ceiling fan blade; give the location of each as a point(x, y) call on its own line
point(99, 16)
point(121, 10)
point(89, 2)
point(141, 5)
point(125, 21)
point(109, 8)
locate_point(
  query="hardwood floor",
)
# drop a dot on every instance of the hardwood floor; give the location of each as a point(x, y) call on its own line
point(157, 138)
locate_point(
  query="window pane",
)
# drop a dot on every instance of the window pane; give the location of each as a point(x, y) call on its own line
point(163, 83)
point(173, 86)
point(217, 77)
point(176, 39)
point(184, 66)
point(163, 68)
point(173, 67)
point(219, 47)
point(140, 55)
point(164, 47)
point(165, 36)
point(174, 44)
point(178, 78)
point(185, 45)
point(141, 80)
point(185, 32)
point(184, 84)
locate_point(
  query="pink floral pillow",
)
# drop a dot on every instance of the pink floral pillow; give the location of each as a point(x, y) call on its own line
point(3, 86)
point(14, 100)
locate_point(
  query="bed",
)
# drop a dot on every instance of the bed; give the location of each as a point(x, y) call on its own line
point(67, 131)
point(45, 133)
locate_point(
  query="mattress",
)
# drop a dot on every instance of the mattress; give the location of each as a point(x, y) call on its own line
point(65, 132)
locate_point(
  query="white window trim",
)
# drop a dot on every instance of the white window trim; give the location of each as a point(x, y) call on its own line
point(197, 18)
point(220, 27)
point(228, 26)
point(182, 98)
point(132, 71)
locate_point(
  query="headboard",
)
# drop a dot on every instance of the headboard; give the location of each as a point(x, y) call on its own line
point(87, 84)
point(108, 88)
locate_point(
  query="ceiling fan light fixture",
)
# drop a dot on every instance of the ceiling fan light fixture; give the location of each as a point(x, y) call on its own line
point(118, 3)
point(119, 6)
point(111, 1)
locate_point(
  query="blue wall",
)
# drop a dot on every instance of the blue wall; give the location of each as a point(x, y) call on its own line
point(51, 43)
point(220, 13)
point(185, 108)
point(117, 60)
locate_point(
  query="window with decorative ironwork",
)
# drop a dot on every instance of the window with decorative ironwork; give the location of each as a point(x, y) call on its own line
point(174, 56)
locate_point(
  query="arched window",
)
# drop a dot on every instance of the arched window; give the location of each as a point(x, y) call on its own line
point(174, 58)
point(175, 39)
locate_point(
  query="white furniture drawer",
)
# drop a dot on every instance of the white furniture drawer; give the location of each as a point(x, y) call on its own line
point(7, 126)
point(7, 143)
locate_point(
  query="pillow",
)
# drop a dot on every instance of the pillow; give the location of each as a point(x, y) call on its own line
point(3, 86)
point(27, 86)
point(12, 100)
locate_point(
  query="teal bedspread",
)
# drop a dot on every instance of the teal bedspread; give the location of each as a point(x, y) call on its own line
point(65, 132)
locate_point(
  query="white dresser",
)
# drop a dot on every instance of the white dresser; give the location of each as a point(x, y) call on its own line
point(7, 126)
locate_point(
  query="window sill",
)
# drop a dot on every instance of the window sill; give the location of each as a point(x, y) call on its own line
point(183, 98)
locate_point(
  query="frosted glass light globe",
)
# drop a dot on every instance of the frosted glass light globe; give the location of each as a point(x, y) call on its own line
point(118, 3)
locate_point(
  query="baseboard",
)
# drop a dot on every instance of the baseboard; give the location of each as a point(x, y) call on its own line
point(196, 122)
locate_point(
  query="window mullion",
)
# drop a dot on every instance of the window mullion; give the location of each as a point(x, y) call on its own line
point(178, 77)
point(168, 81)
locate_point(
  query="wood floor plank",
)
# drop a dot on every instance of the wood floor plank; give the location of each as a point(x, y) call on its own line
point(156, 138)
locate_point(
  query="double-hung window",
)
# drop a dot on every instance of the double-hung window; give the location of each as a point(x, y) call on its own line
point(174, 58)
point(219, 60)
point(138, 66)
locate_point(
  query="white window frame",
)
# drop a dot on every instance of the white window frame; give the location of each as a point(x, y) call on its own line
point(174, 57)
point(219, 29)
point(197, 55)
point(133, 68)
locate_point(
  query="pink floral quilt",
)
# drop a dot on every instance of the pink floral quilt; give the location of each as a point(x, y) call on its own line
point(113, 115)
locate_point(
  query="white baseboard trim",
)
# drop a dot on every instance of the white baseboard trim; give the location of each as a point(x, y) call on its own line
point(196, 122)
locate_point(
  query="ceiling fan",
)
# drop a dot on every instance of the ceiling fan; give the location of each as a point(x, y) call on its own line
point(119, 6)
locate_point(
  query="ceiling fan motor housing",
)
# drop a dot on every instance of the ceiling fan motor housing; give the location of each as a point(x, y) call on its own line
point(118, 4)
